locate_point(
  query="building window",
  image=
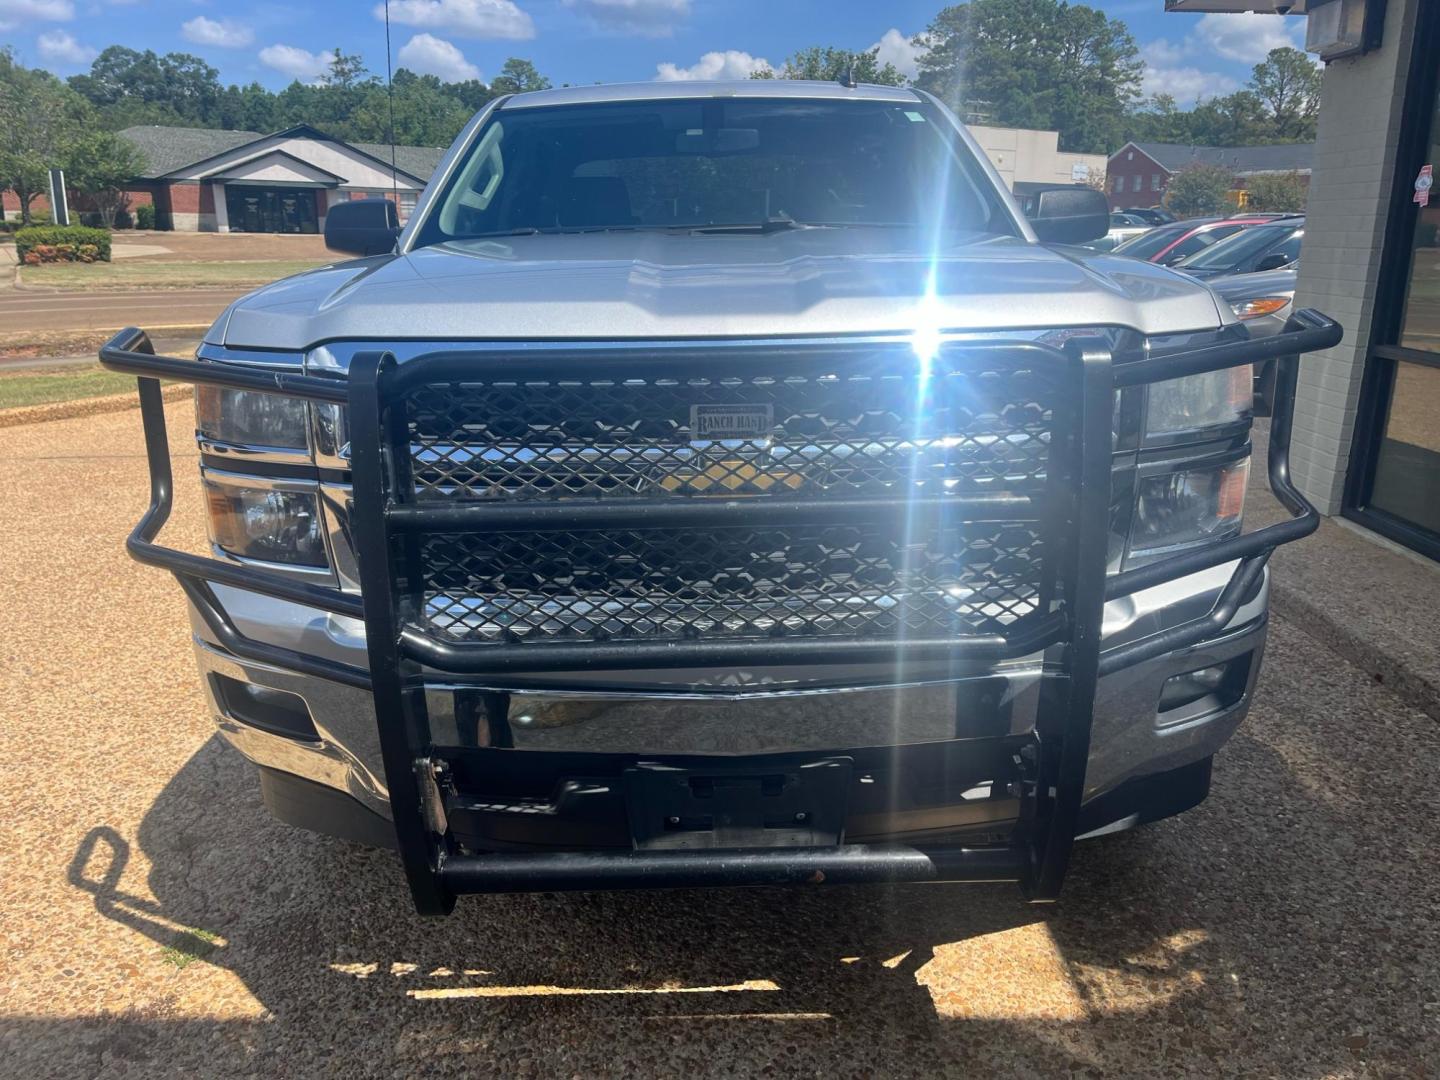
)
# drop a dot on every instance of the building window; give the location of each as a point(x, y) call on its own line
point(407, 205)
point(1155, 181)
point(1136, 186)
point(1119, 185)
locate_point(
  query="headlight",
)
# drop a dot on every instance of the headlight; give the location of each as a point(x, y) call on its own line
point(1264, 305)
point(1213, 399)
point(277, 521)
point(1179, 509)
point(249, 418)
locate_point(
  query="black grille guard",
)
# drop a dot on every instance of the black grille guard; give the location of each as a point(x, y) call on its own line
point(389, 522)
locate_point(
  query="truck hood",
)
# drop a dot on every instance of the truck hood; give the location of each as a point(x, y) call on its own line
point(665, 285)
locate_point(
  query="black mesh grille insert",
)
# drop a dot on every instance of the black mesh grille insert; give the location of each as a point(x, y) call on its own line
point(802, 425)
point(851, 426)
point(864, 580)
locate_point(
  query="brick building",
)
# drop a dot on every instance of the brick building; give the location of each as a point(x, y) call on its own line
point(1139, 174)
point(206, 180)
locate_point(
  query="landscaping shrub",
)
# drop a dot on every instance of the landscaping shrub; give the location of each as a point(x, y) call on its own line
point(57, 243)
point(145, 216)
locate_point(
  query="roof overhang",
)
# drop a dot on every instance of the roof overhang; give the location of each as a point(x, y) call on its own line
point(1263, 7)
point(293, 169)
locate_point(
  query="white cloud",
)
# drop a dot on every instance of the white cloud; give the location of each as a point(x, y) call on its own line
point(58, 47)
point(730, 64)
point(896, 48)
point(296, 62)
point(1247, 39)
point(468, 18)
point(1175, 69)
point(1168, 71)
point(224, 34)
point(426, 54)
point(648, 18)
point(1186, 84)
point(15, 12)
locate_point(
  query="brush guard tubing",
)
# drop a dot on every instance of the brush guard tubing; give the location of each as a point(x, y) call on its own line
point(399, 654)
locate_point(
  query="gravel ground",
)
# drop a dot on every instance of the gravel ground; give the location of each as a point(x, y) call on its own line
point(157, 922)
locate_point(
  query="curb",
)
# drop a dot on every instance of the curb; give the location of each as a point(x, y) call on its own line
point(91, 406)
point(1411, 686)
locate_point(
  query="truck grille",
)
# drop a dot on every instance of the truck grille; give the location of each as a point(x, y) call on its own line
point(805, 428)
point(867, 580)
point(854, 427)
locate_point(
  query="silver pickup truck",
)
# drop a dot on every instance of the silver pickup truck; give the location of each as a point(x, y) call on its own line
point(723, 484)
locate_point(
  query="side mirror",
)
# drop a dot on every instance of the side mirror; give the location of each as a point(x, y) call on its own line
point(1070, 215)
point(1274, 261)
point(362, 227)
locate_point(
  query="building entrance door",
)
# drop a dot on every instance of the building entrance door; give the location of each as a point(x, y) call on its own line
point(1393, 485)
point(271, 209)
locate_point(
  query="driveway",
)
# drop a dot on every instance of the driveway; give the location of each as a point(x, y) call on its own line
point(1290, 926)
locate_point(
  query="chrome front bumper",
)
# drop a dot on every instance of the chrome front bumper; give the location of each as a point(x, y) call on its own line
point(781, 710)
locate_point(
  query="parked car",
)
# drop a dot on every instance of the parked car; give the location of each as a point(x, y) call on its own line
point(1268, 246)
point(1116, 236)
point(1263, 301)
point(722, 484)
point(1126, 220)
point(1168, 244)
point(1151, 215)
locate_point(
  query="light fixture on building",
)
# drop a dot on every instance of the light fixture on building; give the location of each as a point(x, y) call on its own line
point(1336, 28)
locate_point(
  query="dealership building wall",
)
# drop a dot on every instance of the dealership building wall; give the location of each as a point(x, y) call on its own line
point(1366, 440)
point(1027, 159)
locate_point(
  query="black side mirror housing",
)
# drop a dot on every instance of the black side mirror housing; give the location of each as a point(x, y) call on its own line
point(362, 227)
point(1274, 261)
point(1069, 215)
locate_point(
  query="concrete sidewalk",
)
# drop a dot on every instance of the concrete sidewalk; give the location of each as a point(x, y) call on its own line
point(1373, 602)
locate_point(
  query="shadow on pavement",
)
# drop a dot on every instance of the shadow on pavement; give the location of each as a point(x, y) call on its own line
point(1286, 927)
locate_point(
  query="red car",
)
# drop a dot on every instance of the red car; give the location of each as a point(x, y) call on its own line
point(1168, 244)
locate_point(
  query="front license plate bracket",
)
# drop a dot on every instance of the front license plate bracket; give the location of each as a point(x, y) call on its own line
point(751, 806)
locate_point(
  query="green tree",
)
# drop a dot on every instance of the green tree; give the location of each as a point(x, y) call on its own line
point(346, 71)
point(830, 65)
point(131, 87)
point(247, 108)
point(1288, 85)
point(1236, 119)
point(39, 120)
point(1198, 190)
point(519, 77)
point(1282, 192)
point(1035, 64)
point(426, 114)
point(1158, 119)
point(99, 165)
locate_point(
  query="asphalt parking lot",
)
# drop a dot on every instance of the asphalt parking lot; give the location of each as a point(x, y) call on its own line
point(157, 922)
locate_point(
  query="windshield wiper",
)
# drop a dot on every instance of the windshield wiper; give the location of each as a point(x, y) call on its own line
point(774, 223)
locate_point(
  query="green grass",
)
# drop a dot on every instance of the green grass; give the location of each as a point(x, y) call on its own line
point(44, 385)
point(145, 273)
point(190, 945)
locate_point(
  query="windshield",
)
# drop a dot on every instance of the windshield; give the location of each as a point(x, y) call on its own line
point(1150, 243)
point(1238, 249)
point(713, 163)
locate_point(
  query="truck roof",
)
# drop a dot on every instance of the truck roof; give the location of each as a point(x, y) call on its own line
point(706, 88)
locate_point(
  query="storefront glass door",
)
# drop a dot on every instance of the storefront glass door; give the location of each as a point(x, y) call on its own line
point(273, 210)
point(1394, 484)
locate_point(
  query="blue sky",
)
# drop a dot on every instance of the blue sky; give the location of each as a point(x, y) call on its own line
point(582, 41)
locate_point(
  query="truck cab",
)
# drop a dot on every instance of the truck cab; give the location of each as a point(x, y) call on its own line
point(724, 483)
